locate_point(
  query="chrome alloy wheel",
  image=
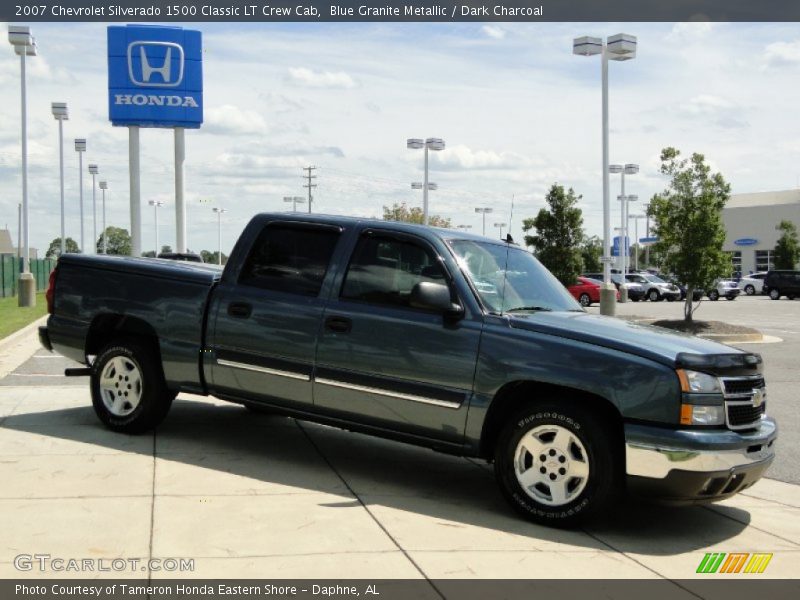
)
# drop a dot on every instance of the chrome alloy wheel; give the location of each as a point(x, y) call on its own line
point(551, 465)
point(121, 386)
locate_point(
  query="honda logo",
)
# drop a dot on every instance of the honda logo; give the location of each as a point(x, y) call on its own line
point(160, 64)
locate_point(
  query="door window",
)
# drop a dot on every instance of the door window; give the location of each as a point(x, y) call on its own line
point(385, 270)
point(291, 259)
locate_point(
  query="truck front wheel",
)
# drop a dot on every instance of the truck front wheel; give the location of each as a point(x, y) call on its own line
point(129, 393)
point(555, 464)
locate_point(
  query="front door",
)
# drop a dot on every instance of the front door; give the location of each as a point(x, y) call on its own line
point(383, 362)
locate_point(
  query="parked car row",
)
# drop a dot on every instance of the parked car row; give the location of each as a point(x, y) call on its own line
point(647, 286)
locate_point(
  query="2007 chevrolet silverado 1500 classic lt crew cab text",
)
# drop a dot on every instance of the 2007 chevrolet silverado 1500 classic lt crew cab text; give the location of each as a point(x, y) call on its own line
point(431, 336)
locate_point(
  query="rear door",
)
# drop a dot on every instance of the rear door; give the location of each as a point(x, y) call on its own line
point(383, 362)
point(264, 324)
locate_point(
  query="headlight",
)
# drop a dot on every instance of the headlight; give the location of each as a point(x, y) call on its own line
point(698, 383)
point(702, 415)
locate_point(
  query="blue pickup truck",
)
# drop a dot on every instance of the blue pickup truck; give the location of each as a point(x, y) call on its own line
point(429, 336)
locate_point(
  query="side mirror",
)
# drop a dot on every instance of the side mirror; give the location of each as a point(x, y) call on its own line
point(435, 296)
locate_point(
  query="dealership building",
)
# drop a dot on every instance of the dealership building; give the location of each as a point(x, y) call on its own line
point(750, 224)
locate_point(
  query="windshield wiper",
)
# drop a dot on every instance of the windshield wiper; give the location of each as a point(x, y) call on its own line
point(529, 308)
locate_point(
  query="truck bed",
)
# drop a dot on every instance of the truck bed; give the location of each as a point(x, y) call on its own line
point(96, 294)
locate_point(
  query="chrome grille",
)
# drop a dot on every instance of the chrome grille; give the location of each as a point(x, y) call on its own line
point(745, 401)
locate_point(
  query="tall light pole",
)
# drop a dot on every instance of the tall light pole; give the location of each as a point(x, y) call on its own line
point(20, 38)
point(104, 187)
point(295, 200)
point(636, 234)
point(61, 114)
point(618, 47)
point(483, 211)
point(80, 148)
point(94, 171)
point(435, 144)
point(500, 226)
point(155, 204)
point(628, 169)
point(219, 212)
point(646, 208)
point(624, 201)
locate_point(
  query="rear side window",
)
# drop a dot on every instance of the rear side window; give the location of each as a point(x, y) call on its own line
point(385, 270)
point(292, 259)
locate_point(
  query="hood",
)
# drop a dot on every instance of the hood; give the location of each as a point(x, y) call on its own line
point(655, 343)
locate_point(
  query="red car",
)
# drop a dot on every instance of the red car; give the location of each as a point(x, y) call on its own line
point(586, 291)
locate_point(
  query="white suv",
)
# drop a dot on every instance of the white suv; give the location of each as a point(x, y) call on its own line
point(753, 284)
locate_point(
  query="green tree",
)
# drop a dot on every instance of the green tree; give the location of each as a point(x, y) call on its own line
point(165, 248)
point(787, 250)
point(119, 241)
point(401, 212)
point(54, 251)
point(559, 234)
point(591, 251)
point(688, 223)
point(212, 257)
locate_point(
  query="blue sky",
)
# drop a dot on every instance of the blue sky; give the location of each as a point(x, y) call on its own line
point(517, 110)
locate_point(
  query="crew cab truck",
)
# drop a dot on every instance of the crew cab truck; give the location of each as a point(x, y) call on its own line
point(430, 336)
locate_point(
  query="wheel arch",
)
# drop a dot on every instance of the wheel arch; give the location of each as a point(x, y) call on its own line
point(108, 327)
point(512, 396)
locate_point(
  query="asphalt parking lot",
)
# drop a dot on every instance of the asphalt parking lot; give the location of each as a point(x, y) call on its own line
point(263, 496)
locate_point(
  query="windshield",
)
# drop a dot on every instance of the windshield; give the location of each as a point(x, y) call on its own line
point(527, 286)
point(655, 279)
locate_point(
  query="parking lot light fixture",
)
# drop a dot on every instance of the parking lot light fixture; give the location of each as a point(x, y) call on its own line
point(80, 148)
point(61, 114)
point(295, 200)
point(155, 204)
point(500, 226)
point(484, 211)
point(94, 171)
point(104, 186)
point(19, 36)
point(618, 47)
point(435, 144)
point(464, 227)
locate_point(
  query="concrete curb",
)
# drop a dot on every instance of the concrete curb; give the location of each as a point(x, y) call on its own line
point(18, 347)
point(733, 337)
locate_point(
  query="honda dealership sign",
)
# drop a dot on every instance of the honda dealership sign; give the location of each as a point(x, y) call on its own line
point(155, 76)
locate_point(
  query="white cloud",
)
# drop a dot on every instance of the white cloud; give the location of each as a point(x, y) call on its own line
point(462, 157)
point(705, 104)
point(687, 31)
point(494, 32)
point(780, 54)
point(320, 79)
point(232, 120)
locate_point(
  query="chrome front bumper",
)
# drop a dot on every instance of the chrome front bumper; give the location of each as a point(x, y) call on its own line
point(684, 466)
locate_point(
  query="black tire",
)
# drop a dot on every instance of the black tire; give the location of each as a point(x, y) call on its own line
point(791, 296)
point(774, 294)
point(593, 494)
point(670, 298)
point(585, 300)
point(730, 297)
point(118, 363)
point(653, 295)
point(749, 290)
point(713, 295)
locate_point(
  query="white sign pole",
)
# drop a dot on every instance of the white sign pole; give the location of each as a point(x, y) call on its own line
point(180, 205)
point(136, 206)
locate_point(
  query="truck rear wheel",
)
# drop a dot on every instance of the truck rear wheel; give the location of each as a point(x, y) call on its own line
point(129, 393)
point(556, 464)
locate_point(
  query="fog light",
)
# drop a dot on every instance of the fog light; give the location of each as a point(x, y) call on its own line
point(702, 415)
